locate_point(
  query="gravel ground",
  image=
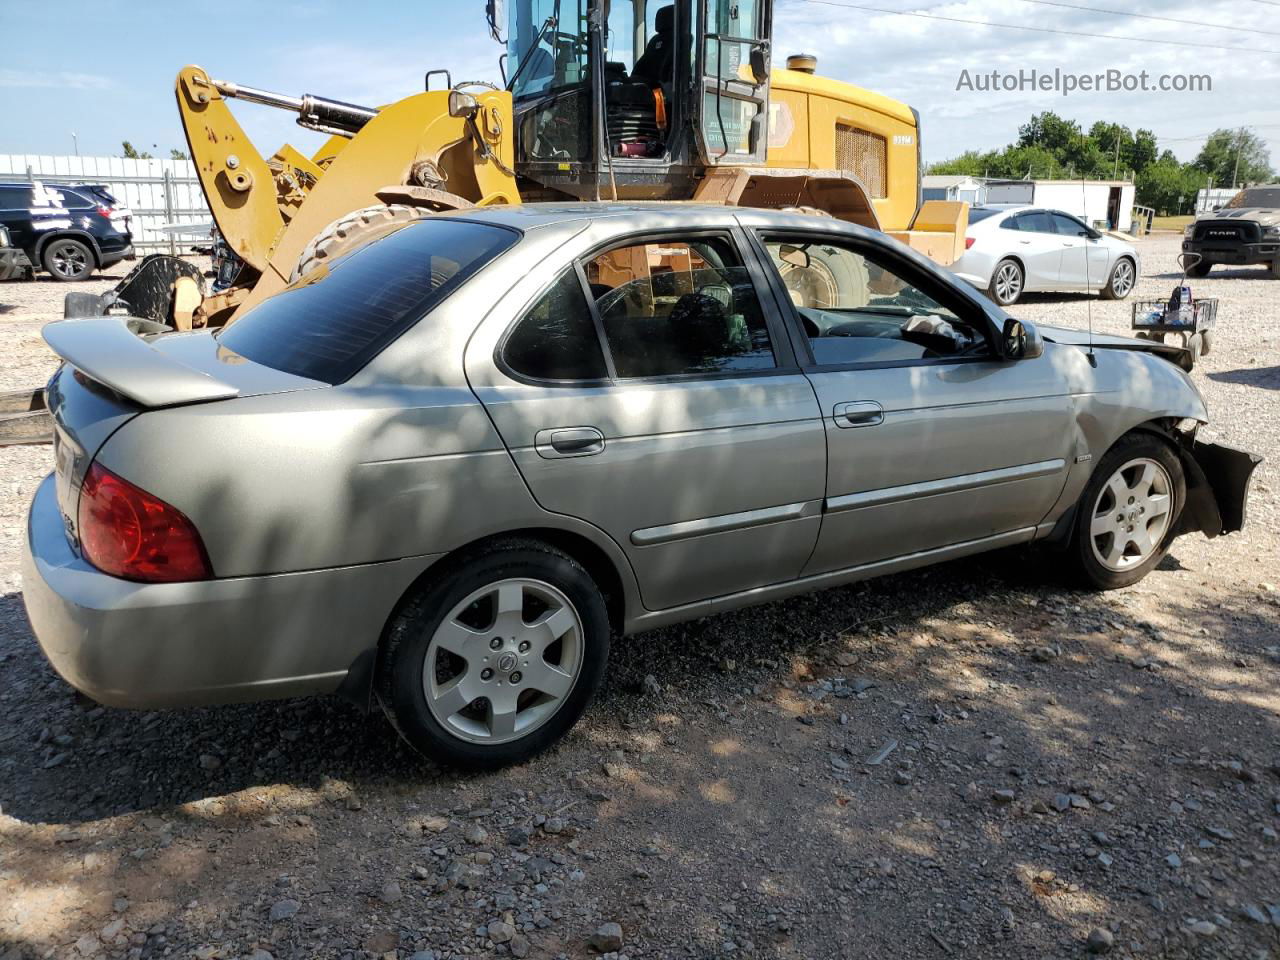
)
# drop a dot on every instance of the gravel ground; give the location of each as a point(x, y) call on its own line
point(1059, 773)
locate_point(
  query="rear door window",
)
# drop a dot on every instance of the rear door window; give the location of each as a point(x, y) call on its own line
point(679, 306)
point(334, 320)
point(1037, 222)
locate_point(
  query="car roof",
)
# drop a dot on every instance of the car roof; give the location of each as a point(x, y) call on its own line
point(640, 214)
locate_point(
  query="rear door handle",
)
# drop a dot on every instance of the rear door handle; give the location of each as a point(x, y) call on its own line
point(569, 442)
point(858, 413)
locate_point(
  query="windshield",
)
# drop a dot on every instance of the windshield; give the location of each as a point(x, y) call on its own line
point(334, 320)
point(1266, 197)
point(541, 60)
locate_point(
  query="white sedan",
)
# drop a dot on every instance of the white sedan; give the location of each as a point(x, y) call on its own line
point(1012, 250)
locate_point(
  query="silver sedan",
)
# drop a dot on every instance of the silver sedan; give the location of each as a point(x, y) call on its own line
point(1012, 250)
point(444, 471)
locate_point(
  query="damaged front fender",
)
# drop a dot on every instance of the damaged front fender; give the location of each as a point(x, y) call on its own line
point(1217, 488)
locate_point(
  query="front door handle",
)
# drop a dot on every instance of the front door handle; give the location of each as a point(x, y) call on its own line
point(569, 442)
point(858, 413)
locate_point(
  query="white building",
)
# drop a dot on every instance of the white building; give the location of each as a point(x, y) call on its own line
point(1104, 203)
point(943, 187)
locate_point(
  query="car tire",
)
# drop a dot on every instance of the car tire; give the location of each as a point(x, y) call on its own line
point(1206, 343)
point(1275, 269)
point(1119, 538)
point(467, 666)
point(1124, 277)
point(1007, 282)
point(1200, 269)
point(68, 259)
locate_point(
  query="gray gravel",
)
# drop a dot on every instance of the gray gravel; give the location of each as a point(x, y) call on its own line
point(1069, 772)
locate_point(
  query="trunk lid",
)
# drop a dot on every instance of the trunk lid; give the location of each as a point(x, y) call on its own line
point(118, 368)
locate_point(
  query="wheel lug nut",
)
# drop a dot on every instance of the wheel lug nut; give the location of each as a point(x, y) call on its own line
point(515, 677)
point(486, 674)
point(524, 646)
point(495, 643)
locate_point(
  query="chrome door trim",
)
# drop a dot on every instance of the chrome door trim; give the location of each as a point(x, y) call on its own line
point(686, 529)
point(929, 488)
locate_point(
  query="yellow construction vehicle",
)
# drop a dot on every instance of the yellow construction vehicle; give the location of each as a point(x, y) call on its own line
point(663, 100)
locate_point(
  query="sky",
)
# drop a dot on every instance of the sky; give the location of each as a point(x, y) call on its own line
point(110, 77)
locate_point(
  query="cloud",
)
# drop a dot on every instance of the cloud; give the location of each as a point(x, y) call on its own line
point(57, 79)
point(919, 61)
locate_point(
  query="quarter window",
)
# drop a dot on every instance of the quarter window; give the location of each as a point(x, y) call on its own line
point(557, 339)
point(854, 310)
point(675, 307)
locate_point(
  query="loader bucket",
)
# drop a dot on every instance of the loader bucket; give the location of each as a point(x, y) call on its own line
point(154, 290)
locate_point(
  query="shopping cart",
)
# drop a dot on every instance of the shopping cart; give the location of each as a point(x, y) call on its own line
point(1190, 320)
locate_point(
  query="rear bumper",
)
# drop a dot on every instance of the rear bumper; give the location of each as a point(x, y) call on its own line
point(1238, 253)
point(185, 644)
point(115, 256)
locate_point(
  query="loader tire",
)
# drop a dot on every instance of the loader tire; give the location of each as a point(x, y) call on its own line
point(811, 211)
point(347, 233)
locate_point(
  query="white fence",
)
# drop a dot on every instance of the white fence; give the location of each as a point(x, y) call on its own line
point(157, 191)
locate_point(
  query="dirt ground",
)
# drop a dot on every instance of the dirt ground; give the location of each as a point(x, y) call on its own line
point(1062, 772)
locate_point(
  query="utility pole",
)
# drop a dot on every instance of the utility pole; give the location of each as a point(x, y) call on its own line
point(1236, 172)
point(1115, 171)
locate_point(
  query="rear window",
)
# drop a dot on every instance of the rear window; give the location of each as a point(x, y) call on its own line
point(334, 321)
point(978, 214)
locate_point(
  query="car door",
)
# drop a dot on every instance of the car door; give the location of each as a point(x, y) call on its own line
point(1085, 263)
point(647, 391)
point(932, 441)
point(1039, 246)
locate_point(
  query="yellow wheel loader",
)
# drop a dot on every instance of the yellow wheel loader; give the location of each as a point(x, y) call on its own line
point(662, 100)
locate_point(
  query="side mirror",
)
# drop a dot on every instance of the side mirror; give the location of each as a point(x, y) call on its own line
point(1020, 341)
point(759, 59)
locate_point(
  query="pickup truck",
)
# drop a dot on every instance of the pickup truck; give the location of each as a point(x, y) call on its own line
point(1245, 231)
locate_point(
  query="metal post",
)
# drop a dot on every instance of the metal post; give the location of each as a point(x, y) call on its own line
point(168, 210)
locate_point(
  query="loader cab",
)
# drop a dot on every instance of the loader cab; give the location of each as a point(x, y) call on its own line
point(634, 98)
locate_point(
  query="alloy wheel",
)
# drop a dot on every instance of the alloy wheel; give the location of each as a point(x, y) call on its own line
point(1008, 282)
point(69, 260)
point(503, 661)
point(1122, 279)
point(1131, 515)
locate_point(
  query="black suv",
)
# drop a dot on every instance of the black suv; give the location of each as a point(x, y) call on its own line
point(63, 231)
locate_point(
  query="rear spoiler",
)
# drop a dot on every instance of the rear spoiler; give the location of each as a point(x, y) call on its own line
point(114, 352)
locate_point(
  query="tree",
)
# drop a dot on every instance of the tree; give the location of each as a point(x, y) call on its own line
point(1168, 186)
point(1235, 156)
point(176, 154)
point(1050, 131)
point(131, 153)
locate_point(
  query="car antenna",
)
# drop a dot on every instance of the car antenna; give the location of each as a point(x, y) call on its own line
point(1088, 284)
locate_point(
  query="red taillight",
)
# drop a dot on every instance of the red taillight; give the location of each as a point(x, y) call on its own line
point(126, 532)
point(968, 242)
point(104, 212)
